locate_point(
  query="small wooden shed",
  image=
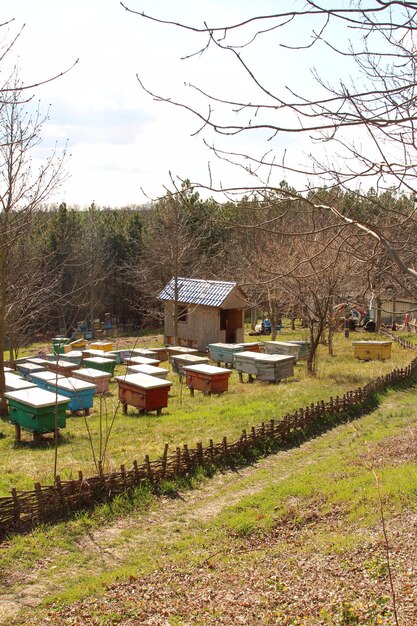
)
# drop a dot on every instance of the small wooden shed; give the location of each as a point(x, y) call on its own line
point(209, 311)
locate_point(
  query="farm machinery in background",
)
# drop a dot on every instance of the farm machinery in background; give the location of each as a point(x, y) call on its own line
point(357, 316)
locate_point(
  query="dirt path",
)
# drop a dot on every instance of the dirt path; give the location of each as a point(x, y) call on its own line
point(115, 545)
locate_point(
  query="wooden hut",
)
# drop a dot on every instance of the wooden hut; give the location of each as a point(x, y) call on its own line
point(209, 311)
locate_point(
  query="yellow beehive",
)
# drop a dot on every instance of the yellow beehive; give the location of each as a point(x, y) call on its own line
point(105, 346)
point(78, 344)
point(372, 350)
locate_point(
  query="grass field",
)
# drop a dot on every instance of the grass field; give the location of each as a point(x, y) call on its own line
point(186, 420)
point(293, 540)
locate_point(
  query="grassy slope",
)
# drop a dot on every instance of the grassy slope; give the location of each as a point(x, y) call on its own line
point(294, 540)
point(186, 420)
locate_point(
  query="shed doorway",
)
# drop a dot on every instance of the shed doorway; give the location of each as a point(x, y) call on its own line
point(230, 321)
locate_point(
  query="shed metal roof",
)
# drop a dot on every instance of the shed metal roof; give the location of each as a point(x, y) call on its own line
point(197, 291)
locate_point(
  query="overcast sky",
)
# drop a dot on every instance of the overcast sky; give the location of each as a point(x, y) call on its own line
point(120, 140)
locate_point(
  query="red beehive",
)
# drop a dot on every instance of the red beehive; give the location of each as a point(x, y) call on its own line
point(207, 378)
point(146, 393)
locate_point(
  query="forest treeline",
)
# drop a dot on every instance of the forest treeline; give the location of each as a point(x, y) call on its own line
point(70, 264)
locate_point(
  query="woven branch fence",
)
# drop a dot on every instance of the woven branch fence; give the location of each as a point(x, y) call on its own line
point(25, 509)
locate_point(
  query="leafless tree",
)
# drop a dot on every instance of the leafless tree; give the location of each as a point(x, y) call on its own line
point(358, 126)
point(23, 192)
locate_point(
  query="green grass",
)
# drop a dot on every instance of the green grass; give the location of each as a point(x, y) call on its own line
point(324, 489)
point(186, 420)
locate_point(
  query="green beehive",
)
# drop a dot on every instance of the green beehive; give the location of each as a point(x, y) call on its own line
point(34, 409)
point(100, 363)
point(58, 344)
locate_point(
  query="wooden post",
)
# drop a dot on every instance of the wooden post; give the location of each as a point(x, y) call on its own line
point(39, 500)
point(187, 457)
point(178, 461)
point(164, 460)
point(224, 445)
point(16, 507)
point(211, 450)
point(17, 432)
point(136, 472)
point(148, 468)
point(123, 473)
point(200, 452)
point(61, 493)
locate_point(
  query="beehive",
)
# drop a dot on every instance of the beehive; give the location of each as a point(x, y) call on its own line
point(28, 368)
point(105, 346)
point(305, 348)
point(37, 410)
point(41, 379)
point(282, 347)
point(150, 370)
point(179, 361)
point(73, 356)
point(146, 393)
point(372, 350)
point(141, 360)
point(173, 350)
point(97, 377)
point(207, 378)
point(79, 392)
point(266, 367)
point(16, 383)
point(224, 352)
point(100, 363)
point(62, 367)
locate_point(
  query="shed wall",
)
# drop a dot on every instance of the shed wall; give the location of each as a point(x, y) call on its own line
point(201, 328)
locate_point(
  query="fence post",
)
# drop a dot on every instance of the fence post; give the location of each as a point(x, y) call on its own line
point(224, 446)
point(16, 507)
point(148, 468)
point(178, 461)
point(39, 500)
point(136, 472)
point(200, 456)
point(61, 493)
point(164, 460)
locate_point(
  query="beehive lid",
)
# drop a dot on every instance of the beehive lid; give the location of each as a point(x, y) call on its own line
point(191, 358)
point(204, 368)
point(32, 367)
point(289, 344)
point(15, 382)
point(110, 356)
point(260, 357)
point(97, 359)
point(90, 372)
point(75, 354)
point(62, 364)
point(371, 343)
point(37, 360)
point(144, 381)
point(47, 376)
point(150, 370)
point(74, 384)
point(182, 349)
point(142, 352)
point(36, 397)
point(142, 360)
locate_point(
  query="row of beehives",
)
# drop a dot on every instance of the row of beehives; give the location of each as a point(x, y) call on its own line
point(38, 400)
point(67, 380)
point(48, 386)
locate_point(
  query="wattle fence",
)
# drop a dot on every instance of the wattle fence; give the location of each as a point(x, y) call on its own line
point(25, 509)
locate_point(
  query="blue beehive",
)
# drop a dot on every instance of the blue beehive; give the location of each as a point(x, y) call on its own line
point(80, 393)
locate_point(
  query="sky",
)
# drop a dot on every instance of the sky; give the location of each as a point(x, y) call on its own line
point(125, 148)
